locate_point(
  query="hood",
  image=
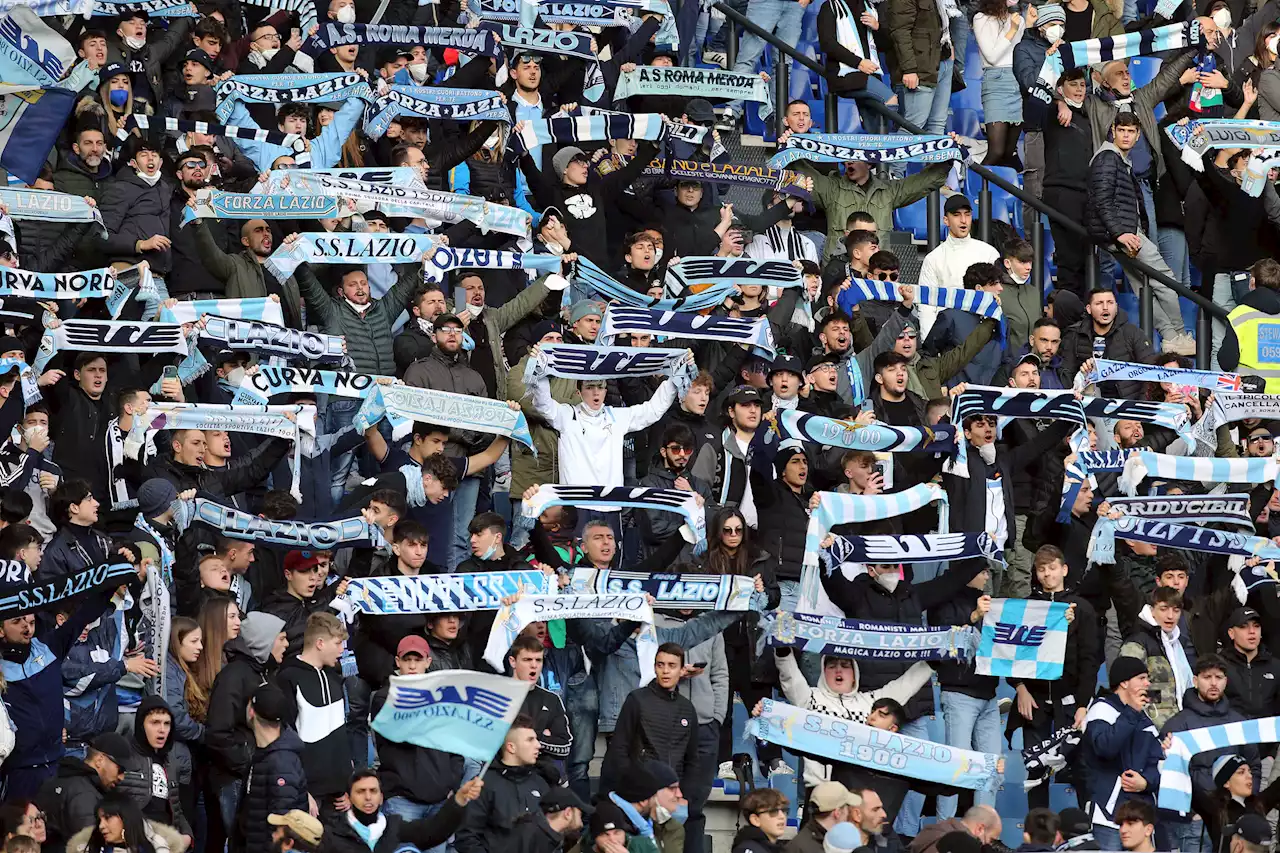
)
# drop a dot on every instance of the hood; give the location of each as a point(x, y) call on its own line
point(1067, 308)
point(827, 691)
point(1262, 299)
point(1109, 146)
point(69, 767)
point(258, 633)
point(148, 704)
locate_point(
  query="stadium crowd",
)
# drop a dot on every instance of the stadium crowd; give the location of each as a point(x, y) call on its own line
point(175, 681)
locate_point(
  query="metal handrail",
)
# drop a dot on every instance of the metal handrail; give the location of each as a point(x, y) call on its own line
point(1206, 305)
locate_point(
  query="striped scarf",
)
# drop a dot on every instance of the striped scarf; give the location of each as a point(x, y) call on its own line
point(266, 309)
point(444, 259)
point(853, 638)
point(434, 102)
point(755, 332)
point(758, 176)
point(671, 500)
point(267, 339)
point(586, 273)
point(875, 437)
point(598, 127)
point(973, 301)
point(849, 33)
point(216, 204)
point(835, 509)
point(583, 361)
point(144, 123)
point(1106, 370)
point(1076, 54)
point(290, 88)
point(1175, 772)
point(1200, 469)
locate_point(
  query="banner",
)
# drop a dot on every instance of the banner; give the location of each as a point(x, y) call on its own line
point(562, 43)
point(268, 340)
point(456, 711)
point(1167, 534)
point(1175, 771)
point(267, 309)
point(1023, 639)
point(868, 148)
point(852, 638)
point(671, 590)
point(466, 40)
point(847, 742)
point(1229, 407)
point(85, 284)
point(434, 103)
point(304, 535)
point(456, 593)
point(456, 411)
point(30, 120)
point(31, 51)
point(695, 83)
point(625, 607)
point(353, 248)
point(47, 205)
point(290, 88)
point(268, 381)
point(1188, 509)
point(755, 332)
point(41, 596)
point(443, 260)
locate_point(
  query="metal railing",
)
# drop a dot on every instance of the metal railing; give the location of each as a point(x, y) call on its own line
point(1208, 309)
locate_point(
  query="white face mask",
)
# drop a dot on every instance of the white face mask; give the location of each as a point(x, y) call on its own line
point(347, 15)
point(988, 453)
point(135, 43)
point(1017, 279)
point(474, 310)
point(30, 434)
point(1054, 32)
point(235, 376)
point(888, 580)
point(660, 813)
point(149, 180)
point(1222, 18)
point(1077, 104)
point(657, 254)
point(1272, 41)
point(418, 71)
point(269, 53)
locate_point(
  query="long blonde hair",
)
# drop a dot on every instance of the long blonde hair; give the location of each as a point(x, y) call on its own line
point(196, 696)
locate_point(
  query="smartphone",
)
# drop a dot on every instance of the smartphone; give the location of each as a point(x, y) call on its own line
point(170, 372)
point(295, 34)
point(697, 666)
point(878, 468)
point(1188, 391)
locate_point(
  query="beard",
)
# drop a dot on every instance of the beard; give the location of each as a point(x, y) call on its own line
point(195, 184)
point(262, 251)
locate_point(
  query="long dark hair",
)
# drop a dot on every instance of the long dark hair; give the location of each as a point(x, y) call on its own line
point(718, 559)
point(135, 836)
point(995, 9)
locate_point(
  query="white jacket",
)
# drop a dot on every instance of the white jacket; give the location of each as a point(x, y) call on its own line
point(591, 442)
point(946, 265)
point(855, 706)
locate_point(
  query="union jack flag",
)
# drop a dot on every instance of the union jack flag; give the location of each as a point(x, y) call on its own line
point(1229, 382)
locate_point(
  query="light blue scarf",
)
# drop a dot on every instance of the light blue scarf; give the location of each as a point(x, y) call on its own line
point(868, 148)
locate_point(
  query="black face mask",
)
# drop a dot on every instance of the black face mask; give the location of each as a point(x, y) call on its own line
point(365, 819)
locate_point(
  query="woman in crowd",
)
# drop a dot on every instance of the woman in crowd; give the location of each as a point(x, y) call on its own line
point(183, 692)
point(998, 28)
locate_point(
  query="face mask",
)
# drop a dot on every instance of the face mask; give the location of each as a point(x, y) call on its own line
point(474, 310)
point(988, 453)
point(493, 140)
point(270, 53)
point(347, 15)
point(1077, 104)
point(1272, 40)
point(149, 180)
point(662, 815)
point(418, 71)
point(1054, 32)
point(118, 97)
point(657, 254)
point(888, 580)
point(1017, 279)
point(135, 43)
point(235, 376)
point(1222, 18)
point(489, 552)
point(33, 433)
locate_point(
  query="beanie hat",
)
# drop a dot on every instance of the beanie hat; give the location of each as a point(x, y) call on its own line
point(155, 496)
point(1050, 13)
point(585, 308)
point(1123, 669)
point(844, 837)
point(1225, 767)
point(637, 784)
point(564, 157)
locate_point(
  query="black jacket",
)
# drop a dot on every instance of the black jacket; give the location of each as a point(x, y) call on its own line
point(411, 345)
point(1125, 342)
point(228, 735)
point(510, 794)
point(276, 784)
point(318, 715)
point(864, 598)
point(238, 475)
point(340, 837)
point(550, 721)
point(295, 612)
point(1115, 202)
point(959, 677)
point(133, 211)
point(784, 518)
point(151, 779)
point(1067, 151)
point(415, 772)
point(189, 273)
point(751, 839)
point(1079, 665)
point(653, 723)
point(69, 801)
point(1252, 686)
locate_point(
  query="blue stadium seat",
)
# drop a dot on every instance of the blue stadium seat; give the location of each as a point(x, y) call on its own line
point(1143, 69)
point(966, 123)
point(913, 218)
point(1002, 204)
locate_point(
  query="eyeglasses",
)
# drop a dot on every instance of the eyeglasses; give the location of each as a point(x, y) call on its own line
point(731, 531)
point(887, 276)
point(268, 37)
point(907, 333)
point(449, 330)
point(679, 448)
point(40, 816)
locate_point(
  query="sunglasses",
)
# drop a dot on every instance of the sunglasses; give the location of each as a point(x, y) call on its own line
point(1260, 437)
point(778, 810)
point(887, 276)
point(731, 531)
point(679, 448)
point(529, 57)
point(907, 333)
point(193, 164)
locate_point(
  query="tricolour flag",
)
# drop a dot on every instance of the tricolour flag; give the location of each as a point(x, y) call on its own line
point(1023, 639)
point(452, 710)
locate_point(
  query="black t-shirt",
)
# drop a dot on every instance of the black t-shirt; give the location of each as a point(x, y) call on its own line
point(1079, 25)
point(901, 413)
point(437, 518)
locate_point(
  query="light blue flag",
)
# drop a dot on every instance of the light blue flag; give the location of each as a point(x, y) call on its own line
point(30, 50)
point(457, 711)
point(1023, 639)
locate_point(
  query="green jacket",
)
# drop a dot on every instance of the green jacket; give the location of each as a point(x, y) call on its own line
point(1021, 305)
point(369, 335)
point(244, 277)
point(526, 469)
point(498, 320)
point(839, 196)
point(927, 374)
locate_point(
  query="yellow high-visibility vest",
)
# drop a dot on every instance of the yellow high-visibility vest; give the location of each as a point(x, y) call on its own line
point(1259, 335)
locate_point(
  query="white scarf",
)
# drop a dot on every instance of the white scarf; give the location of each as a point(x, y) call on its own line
point(359, 309)
point(370, 834)
point(1176, 655)
point(849, 34)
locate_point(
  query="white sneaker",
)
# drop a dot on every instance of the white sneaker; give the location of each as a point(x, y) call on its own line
point(778, 767)
point(715, 57)
point(1180, 344)
point(726, 771)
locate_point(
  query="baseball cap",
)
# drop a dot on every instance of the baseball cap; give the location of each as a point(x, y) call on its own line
point(830, 796)
point(786, 364)
point(413, 644)
point(819, 360)
point(300, 824)
point(111, 69)
point(447, 320)
point(957, 203)
point(700, 111)
point(743, 394)
point(113, 746)
point(269, 703)
point(300, 561)
point(1030, 358)
point(1073, 822)
point(1243, 615)
point(1253, 828)
point(559, 799)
